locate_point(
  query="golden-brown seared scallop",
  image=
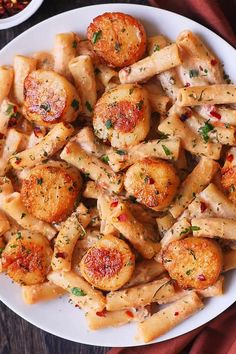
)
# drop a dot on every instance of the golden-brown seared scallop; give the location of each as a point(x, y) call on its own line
point(109, 264)
point(117, 38)
point(194, 262)
point(50, 98)
point(153, 183)
point(50, 190)
point(122, 116)
point(27, 257)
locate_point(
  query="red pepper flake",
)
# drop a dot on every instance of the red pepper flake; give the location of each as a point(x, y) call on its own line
point(215, 114)
point(214, 62)
point(151, 180)
point(68, 151)
point(176, 313)
point(101, 313)
point(203, 207)
point(187, 84)
point(201, 277)
point(200, 67)
point(60, 255)
point(1, 136)
point(230, 157)
point(114, 204)
point(129, 313)
point(122, 217)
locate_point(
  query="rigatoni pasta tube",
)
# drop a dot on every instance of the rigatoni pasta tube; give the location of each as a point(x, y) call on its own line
point(97, 170)
point(105, 74)
point(6, 80)
point(87, 140)
point(200, 95)
point(64, 246)
point(141, 295)
point(227, 115)
point(190, 141)
point(104, 207)
point(92, 190)
point(11, 146)
point(218, 202)
point(14, 207)
point(139, 236)
point(49, 145)
point(120, 159)
point(108, 319)
point(195, 182)
point(166, 319)
point(214, 227)
point(32, 294)
point(157, 98)
point(156, 63)
point(82, 71)
point(23, 66)
point(144, 272)
point(164, 223)
point(179, 230)
point(81, 292)
point(83, 215)
point(64, 51)
point(229, 260)
point(8, 109)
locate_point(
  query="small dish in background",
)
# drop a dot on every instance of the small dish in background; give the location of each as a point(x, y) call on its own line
point(21, 16)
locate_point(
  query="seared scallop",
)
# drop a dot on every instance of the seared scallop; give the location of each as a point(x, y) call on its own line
point(119, 39)
point(194, 262)
point(109, 264)
point(50, 191)
point(153, 183)
point(122, 116)
point(49, 98)
point(27, 257)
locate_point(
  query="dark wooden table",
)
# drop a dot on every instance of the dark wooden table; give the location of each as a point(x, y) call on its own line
point(16, 335)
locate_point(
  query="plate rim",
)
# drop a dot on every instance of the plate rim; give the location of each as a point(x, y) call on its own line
point(110, 7)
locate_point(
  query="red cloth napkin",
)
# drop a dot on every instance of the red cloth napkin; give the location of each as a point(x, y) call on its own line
point(216, 337)
point(210, 13)
point(219, 335)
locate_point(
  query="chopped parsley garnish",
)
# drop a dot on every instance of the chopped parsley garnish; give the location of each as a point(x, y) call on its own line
point(23, 215)
point(75, 104)
point(10, 109)
point(131, 91)
point(88, 106)
point(96, 36)
point(78, 292)
point(189, 271)
point(139, 105)
point(105, 159)
point(189, 229)
point(193, 73)
point(163, 136)
point(156, 48)
point(132, 199)
point(45, 106)
point(121, 152)
point(109, 124)
point(166, 150)
point(19, 237)
point(205, 130)
point(1, 250)
point(40, 181)
point(97, 71)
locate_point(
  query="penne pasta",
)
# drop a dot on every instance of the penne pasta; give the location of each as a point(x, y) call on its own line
point(141, 295)
point(32, 294)
point(23, 66)
point(190, 141)
point(6, 81)
point(13, 206)
point(87, 140)
point(200, 95)
point(143, 239)
point(97, 170)
point(105, 74)
point(166, 319)
point(214, 227)
point(226, 115)
point(45, 60)
point(195, 182)
point(81, 292)
point(179, 230)
point(104, 319)
point(145, 271)
point(49, 145)
point(156, 63)
point(164, 223)
point(218, 202)
point(64, 246)
point(92, 190)
point(65, 49)
point(167, 149)
point(82, 71)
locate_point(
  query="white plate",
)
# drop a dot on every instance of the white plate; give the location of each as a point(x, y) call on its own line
point(59, 317)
